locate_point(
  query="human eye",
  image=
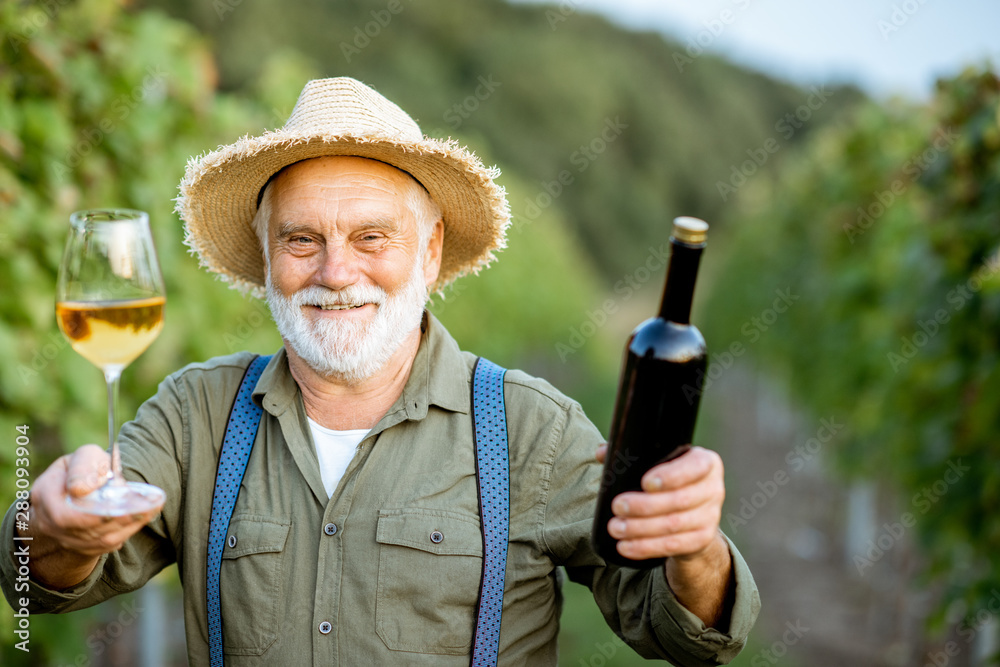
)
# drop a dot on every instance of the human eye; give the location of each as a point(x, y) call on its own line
point(299, 242)
point(370, 239)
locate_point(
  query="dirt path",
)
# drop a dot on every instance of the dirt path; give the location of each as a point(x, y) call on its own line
point(788, 514)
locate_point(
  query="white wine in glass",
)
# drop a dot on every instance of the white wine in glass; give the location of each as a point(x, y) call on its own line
point(109, 305)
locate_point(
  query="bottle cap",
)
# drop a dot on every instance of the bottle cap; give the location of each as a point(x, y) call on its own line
point(690, 230)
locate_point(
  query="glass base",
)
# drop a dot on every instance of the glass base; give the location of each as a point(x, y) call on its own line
point(119, 499)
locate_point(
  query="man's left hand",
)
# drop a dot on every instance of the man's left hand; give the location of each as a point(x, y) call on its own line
point(677, 513)
point(676, 516)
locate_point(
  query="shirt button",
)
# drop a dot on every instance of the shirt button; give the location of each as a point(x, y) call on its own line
point(325, 627)
point(437, 536)
point(330, 529)
point(232, 541)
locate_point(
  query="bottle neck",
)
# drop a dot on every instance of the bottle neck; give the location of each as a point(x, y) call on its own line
point(678, 292)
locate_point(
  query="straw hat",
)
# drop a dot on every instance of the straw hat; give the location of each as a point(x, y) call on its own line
point(342, 116)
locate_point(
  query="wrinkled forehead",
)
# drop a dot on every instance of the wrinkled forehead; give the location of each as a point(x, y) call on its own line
point(344, 170)
point(340, 199)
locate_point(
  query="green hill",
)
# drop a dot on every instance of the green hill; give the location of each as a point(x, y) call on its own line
point(620, 130)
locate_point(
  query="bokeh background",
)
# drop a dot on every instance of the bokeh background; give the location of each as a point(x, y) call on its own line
point(850, 293)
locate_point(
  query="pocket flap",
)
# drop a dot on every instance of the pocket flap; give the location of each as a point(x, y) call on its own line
point(254, 535)
point(434, 531)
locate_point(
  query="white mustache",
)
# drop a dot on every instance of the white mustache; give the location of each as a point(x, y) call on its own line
point(355, 295)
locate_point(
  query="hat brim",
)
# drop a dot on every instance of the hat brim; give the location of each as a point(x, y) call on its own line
point(218, 199)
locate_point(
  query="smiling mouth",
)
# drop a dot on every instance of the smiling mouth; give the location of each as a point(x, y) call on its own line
point(340, 306)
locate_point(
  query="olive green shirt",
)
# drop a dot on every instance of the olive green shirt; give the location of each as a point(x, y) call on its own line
point(356, 579)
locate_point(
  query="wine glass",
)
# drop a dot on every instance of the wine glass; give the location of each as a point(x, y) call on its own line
point(109, 304)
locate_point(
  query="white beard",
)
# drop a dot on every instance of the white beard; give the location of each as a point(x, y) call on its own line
point(349, 351)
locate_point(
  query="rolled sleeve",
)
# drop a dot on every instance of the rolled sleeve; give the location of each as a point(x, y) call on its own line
point(41, 599)
point(638, 605)
point(676, 625)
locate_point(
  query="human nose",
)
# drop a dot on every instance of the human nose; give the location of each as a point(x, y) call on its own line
point(339, 268)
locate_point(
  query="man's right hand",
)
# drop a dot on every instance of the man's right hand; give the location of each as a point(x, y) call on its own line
point(68, 543)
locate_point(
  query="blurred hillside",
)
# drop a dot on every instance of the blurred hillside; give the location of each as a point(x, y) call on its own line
point(639, 130)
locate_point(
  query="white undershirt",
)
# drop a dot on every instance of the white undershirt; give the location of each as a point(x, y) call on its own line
point(335, 450)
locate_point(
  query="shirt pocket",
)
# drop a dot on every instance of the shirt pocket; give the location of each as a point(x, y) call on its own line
point(429, 571)
point(251, 584)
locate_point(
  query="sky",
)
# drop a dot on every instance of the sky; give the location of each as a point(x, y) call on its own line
point(887, 47)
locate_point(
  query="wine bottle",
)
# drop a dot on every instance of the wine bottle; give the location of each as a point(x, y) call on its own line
point(659, 391)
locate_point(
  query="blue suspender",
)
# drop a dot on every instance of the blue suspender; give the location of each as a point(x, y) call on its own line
point(492, 477)
point(244, 419)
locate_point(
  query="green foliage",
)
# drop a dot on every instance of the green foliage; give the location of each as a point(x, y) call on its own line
point(97, 108)
point(100, 106)
point(888, 230)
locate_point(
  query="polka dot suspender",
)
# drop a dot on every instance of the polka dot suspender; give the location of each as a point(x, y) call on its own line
point(492, 477)
point(240, 434)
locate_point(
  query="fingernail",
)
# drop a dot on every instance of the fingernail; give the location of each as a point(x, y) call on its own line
point(620, 507)
point(617, 527)
point(654, 484)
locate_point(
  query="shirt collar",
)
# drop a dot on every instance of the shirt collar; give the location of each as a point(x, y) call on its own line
point(276, 388)
point(440, 373)
point(440, 376)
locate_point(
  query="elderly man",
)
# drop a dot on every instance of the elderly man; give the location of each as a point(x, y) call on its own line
point(357, 530)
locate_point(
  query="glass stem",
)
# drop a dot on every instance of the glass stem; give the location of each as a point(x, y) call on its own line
point(111, 377)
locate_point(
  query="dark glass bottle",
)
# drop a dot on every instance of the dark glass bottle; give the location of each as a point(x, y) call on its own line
point(660, 389)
